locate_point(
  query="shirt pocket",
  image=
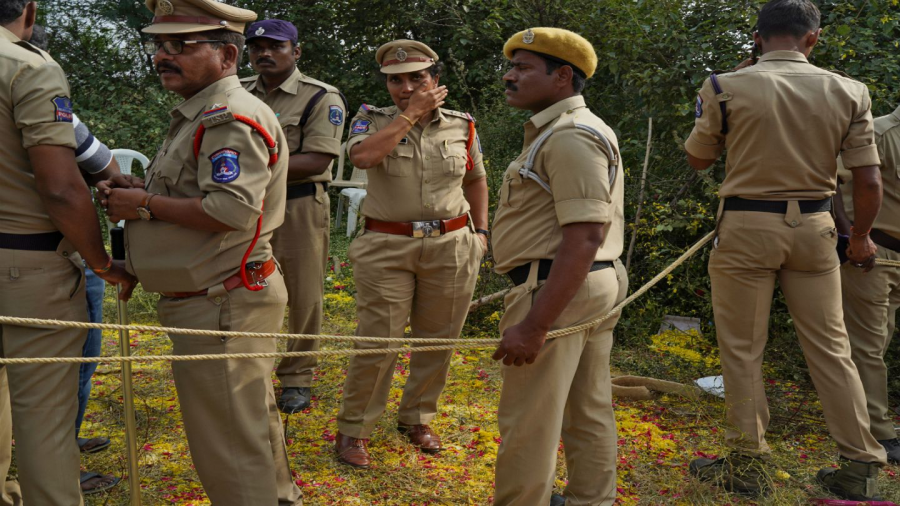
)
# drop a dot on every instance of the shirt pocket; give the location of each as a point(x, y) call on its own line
point(169, 173)
point(454, 160)
point(399, 162)
point(290, 125)
point(511, 191)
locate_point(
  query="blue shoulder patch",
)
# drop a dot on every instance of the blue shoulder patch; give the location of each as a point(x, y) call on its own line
point(336, 115)
point(360, 126)
point(225, 165)
point(478, 140)
point(699, 109)
point(63, 106)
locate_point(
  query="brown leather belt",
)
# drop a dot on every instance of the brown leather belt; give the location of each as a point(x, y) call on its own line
point(430, 228)
point(255, 275)
point(884, 239)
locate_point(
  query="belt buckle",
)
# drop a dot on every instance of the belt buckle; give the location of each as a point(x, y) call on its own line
point(426, 228)
point(252, 269)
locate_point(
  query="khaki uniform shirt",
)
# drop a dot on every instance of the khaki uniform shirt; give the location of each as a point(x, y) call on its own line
point(887, 138)
point(528, 221)
point(421, 179)
point(34, 110)
point(231, 175)
point(323, 129)
point(788, 121)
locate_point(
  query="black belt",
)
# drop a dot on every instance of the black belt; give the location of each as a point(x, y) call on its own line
point(31, 242)
point(303, 190)
point(776, 206)
point(519, 275)
point(884, 239)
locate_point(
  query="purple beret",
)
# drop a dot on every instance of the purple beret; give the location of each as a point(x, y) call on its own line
point(274, 29)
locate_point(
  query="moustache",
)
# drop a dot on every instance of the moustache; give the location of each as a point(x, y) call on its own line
point(265, 60)
point(512, 87)
point(167, 66)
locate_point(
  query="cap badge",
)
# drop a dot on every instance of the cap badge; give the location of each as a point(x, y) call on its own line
point(528, 37)
point(165, 7)
point(259, 31)
point(401, 55)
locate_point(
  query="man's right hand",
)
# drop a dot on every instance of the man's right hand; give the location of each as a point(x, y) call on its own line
point(424, 101)
point(861, 252)
point(117, 181)
point(117, 275)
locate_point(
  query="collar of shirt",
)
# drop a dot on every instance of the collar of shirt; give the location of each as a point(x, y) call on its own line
point(290, 85)
point(783, 56)
point(191, 107)
point(554, 111)
point(896, 113)
point(8, 35)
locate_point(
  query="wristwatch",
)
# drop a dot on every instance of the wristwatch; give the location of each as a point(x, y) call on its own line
point(143, 210)
point(483, 232)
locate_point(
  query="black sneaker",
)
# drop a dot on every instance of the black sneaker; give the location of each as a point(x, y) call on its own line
point(892, 447)
point(294, 399)
point(739, 474)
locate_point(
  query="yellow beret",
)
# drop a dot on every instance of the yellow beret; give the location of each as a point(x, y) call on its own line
point(187, 16)
point(404, 55)
point(558, 43)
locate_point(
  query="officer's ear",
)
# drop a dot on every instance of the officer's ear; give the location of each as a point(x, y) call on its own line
point(812, 39)
point(30, 13)
point(230, 56)
point(564, 76)
point(297, 51)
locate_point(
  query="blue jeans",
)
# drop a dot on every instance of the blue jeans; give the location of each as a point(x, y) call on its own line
point(95, 288)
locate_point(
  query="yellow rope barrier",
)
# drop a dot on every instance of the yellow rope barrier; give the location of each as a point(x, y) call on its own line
point(445, 344)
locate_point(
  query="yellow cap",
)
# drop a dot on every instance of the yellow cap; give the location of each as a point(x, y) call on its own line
point(187, 16)
point(557, 43)
point(404, 55)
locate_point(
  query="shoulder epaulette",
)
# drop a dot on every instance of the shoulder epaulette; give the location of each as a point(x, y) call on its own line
point(371, 108)
point(885, 123)
point(217, 113)
point(315, 82)
point(841, 73)
point(464, 115)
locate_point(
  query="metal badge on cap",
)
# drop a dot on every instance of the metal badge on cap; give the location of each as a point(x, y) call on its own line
point(165, 7)
point(528, 36)
point(401, 55)
point(259, 31)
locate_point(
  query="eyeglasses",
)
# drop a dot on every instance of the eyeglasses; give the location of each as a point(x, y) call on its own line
point(173, 47)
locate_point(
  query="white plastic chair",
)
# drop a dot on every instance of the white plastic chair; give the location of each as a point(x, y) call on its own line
point(124, 157)
point(353, 192)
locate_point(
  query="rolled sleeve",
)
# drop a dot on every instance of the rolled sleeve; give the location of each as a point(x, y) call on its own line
point(578, 172)
point(323, 129)
point(225, 207)
point(39, 95)
point(858, 148)
point(706, 140)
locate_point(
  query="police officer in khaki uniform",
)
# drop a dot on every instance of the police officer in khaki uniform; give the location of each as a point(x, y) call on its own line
point(311, 114)
point(784, 122)
point(47, 226)
point(199, 235)
point(558, 233)
point(418, 257)
point(872, 296)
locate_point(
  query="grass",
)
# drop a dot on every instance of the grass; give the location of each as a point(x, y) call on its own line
point(657, 438)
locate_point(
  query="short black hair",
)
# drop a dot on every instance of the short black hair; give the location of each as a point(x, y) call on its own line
point(794, 18)
point(229, 37)
point(10, 10)
point(40, 38)
point(578, 80)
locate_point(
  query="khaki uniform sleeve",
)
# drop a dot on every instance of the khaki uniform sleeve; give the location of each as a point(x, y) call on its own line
point(361, 127)
point(323, 129)
point(706, 140)
point(477, 156)
point(578, 170)
point(235, 200)
point(858, 148)
point(41, 106)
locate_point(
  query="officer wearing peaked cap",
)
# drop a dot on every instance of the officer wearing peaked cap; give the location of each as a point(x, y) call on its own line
point(190, 237)
point(557, 233)
point(418, 257)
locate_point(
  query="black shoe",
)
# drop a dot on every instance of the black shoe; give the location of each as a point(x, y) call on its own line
point(557, 500)
point(294, 399)
point(892, 447)
point(853, 481)
point(738, 474)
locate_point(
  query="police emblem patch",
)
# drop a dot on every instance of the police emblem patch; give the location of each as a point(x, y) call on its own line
point(336, 115)
point(63, 106)
point(360, 126)
point(259, 31)
point(699, 110)
point(528, 36)
point(401, 55)
point(225, 165)
point(165, 7)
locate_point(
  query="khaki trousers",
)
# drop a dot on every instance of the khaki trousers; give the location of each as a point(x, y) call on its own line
point(230, 418)
point(870, 310)
point(431, 281)
point(301, 246)
point(40, 284)
point(753, 250)
point(11, 494)
point(565, 391)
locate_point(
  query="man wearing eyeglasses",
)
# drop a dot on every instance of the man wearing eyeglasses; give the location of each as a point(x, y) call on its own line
point(199, 234)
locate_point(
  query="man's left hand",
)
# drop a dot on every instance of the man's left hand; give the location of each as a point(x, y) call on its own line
point(122, 203)
point(116, 181)
point(520, 344)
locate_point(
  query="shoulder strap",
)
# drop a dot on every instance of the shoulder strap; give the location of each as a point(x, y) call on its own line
point(470, 163)
point(526, 172)
point(714, 80)
point(315, 100)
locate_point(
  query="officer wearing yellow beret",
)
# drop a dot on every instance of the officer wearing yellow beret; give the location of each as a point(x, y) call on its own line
point(200, 236)
point(557, 233)
point(418, 258)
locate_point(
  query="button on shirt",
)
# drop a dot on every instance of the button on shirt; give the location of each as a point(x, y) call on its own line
point(421, 179)
point(171, 258)
point(788, 120)
point(528, 221)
